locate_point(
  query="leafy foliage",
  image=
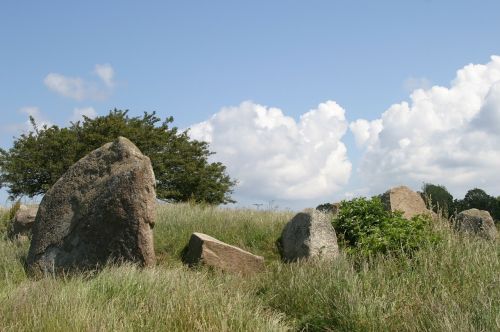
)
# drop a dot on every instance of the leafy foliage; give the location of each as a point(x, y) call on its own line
point(366, 227)
point(39, 158)
point(438, 199)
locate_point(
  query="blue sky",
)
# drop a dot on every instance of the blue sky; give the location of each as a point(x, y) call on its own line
point(191, 59)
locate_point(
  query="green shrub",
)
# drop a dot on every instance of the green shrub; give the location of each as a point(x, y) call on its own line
point(364, 226)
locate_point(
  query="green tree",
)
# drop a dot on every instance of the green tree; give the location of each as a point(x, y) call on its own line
point(478, 199)
point(438, 198)
point(39, 158)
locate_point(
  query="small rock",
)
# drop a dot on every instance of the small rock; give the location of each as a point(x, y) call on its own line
point(309, 234)
point(101, 210)
point(22, 222)
point(478, 222)
point(406, 200)
point(209, 251)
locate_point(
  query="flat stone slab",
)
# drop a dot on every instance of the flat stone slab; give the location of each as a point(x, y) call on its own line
point(206, 250)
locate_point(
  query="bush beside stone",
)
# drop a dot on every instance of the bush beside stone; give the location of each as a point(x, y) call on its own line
point(367, 227)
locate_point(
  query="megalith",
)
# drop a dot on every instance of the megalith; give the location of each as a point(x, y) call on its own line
point(309, 234)
point(101, 210)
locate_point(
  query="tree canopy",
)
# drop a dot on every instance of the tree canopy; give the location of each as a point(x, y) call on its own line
point(40, 157)
point(479, 199)
point(438, 198)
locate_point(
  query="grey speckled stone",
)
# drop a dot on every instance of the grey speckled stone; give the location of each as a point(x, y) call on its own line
point(478, 222)
point(309, 234)
point(100, 210)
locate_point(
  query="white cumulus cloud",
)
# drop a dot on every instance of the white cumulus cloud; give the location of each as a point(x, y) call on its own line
point(79, 89)
point(275, 157)
point(443, 135)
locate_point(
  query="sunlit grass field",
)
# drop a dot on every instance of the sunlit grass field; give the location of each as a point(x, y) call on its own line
point(451, 286)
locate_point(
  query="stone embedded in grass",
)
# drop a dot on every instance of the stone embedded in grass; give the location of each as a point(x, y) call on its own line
point(309, 234)
point(22, 222)
point(101, 210)
point(204, 249)
point(478, 222)
point(406, 200)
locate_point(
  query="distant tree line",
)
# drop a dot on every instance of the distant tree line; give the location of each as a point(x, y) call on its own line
point(440, 200)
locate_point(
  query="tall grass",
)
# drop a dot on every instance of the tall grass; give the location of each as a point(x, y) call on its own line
point(4, 221)
point(451, 286)
point(251, 230)
point(127, 299)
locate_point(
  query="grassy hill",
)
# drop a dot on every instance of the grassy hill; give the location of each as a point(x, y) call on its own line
point(451, 286)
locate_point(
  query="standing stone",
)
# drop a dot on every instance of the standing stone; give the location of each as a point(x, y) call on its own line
point(22, 222)
point(478, 222)
point(209, 251)
point(101, 210)
point(406, 200)
point(309, 234)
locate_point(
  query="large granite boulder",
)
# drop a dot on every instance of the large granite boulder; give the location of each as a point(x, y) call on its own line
point(406, 200)
point(206, 250)
point(309, 234)
point(101, 210)
point(478, 222)
point(22, 222)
